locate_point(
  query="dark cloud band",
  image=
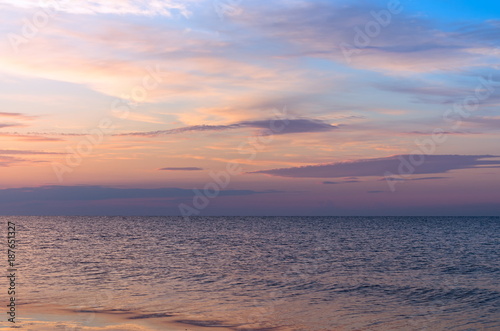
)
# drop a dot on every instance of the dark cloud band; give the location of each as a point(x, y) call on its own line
point(399, 164)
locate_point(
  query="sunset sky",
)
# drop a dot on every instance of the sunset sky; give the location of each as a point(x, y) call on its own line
point(239, 107)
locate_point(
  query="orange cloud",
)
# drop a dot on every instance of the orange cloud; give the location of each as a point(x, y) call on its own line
point(17, 116)
point(31, 138)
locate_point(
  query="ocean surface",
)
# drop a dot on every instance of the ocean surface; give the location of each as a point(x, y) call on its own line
point(260, 273)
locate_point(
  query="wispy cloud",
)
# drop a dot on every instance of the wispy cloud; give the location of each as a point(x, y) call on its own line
point(288, 126)
point(20, 152)
point(8, 117)
point(119, 7)
point(341, 182)
point(10, 125)
point(412, 179)
point(31, 138)
point(181, 169)
point(7, 160)
point(17, 115)
point(292, 126)
point(485, 123)
point(379, 166)
point(410, 43)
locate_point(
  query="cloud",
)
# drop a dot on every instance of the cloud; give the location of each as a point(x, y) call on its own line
point(487, 31)
point(5, 125)
point(428, 133)
point(98, 193)
point(491, 123)
point(342, 182)
point(137, 117)
point(388, 178)
point(408, 43)
point(255, 106)
point(291, 125)
point(439, 93)
point(16, 115)
point(284, 126)
point(102, 200)
point(279, 126)
point(6, 161)
point(412, 179)
point(118, 7)
point(182, 169)
point(8, 157)
point(425, 92)
point(32, 138)
point(429, 178)
point(265, 127)
point(113, 55)
point(180, 130)
point(19, 152)
point(380, 166)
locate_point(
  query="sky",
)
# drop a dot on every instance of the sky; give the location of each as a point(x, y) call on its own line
point(238, 107)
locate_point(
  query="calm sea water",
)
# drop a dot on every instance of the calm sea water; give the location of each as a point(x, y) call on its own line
point(300, 273)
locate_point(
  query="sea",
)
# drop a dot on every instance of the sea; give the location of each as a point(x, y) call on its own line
point(267, 273)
